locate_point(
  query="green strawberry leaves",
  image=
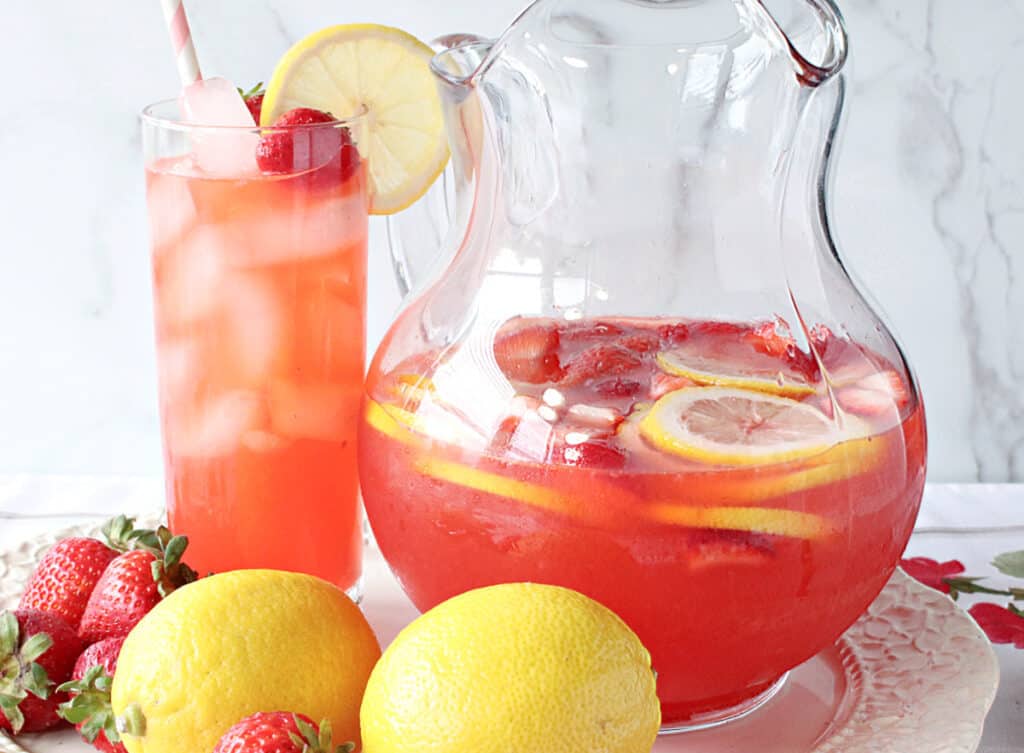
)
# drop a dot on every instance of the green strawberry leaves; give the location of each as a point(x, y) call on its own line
point(9, 708)
point(89, 705)
point(20, 674)
point(310, 741)
point(169, 572)
point(8, 633)
point(254, 91)
point(120, 533)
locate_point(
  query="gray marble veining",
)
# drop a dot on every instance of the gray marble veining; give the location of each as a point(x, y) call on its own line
point(929, 209)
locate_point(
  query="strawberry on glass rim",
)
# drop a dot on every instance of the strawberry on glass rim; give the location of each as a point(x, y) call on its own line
point(352, 70)
point(302, 140)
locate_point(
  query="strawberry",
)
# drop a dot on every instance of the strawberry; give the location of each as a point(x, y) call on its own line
point(134, 583)
point(889, 383)
point(589, 331)
point(618, 388)
point(591, 454)
point(774, 339)
point(66, 575)
point(712, 329)
point(868, 403)
point(254, 101)
point(673, 334)
point(279, 732)
point(640, 343)
point(295, 146)
point(104, 653)
point(37, 650)
point(529, 353)
point(769, 339)
point(874, 395)
point(89, 690)
point(662, 384)
point(728, 548)
point(599, 361)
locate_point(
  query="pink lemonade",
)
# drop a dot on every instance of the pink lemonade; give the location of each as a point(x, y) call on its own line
point(602, 476)
point(260, 294)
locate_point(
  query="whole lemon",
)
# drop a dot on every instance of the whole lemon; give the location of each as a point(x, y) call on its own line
point(227, 646)
point(514, 668)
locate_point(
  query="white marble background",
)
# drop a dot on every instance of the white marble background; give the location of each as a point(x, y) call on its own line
point(929, 208)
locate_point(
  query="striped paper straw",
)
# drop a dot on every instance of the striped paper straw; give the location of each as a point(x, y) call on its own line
point(181, 41)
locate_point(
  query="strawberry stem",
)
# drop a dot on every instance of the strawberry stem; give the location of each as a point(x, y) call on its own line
point(168, 570)
point(255, 90)
point(133, 722)
point(118, 533)
point(309, 740)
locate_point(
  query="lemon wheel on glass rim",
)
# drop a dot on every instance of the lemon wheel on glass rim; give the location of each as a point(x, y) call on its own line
point(350, 69)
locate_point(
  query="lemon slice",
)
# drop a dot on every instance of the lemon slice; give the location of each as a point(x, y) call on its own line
point(478, 480)
point(767, 520)
point(728, 426)
point(429, 422)
point(759, 373)
point(346, 69)
point(391, 421)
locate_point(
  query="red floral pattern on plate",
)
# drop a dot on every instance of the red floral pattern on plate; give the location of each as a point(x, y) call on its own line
point(931, 572)
point(1000, 624)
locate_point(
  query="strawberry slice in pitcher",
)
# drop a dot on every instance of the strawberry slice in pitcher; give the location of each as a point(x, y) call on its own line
point(528, 352)
point(599, 361)
point(709, 549)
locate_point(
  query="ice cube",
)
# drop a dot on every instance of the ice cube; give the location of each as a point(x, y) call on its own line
point(313, 410)
point(216, 102)
point(253, 339)
point(172, 211)
point(180, 362)
point(329, 330)
point(263, 442)
point(189, 278)
point(532, 436)
point(302, 233)
point(217, 426)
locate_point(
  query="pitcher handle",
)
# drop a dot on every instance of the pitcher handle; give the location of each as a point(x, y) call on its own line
point(416, 235)
point(807, 72)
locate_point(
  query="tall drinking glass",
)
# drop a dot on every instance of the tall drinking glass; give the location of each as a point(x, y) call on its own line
point(260, 298)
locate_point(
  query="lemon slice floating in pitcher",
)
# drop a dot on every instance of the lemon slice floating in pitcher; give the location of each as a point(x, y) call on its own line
point(737, 427)
point(346, 69)
point(707, 368)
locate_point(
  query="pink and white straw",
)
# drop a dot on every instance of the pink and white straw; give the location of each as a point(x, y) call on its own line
point(181, 41)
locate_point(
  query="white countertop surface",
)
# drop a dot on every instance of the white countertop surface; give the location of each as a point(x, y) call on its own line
point(969, 522)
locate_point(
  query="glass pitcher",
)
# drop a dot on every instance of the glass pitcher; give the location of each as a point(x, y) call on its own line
point(636, 366)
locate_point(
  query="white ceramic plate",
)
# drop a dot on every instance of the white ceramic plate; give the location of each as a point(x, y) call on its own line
point(913, 674)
